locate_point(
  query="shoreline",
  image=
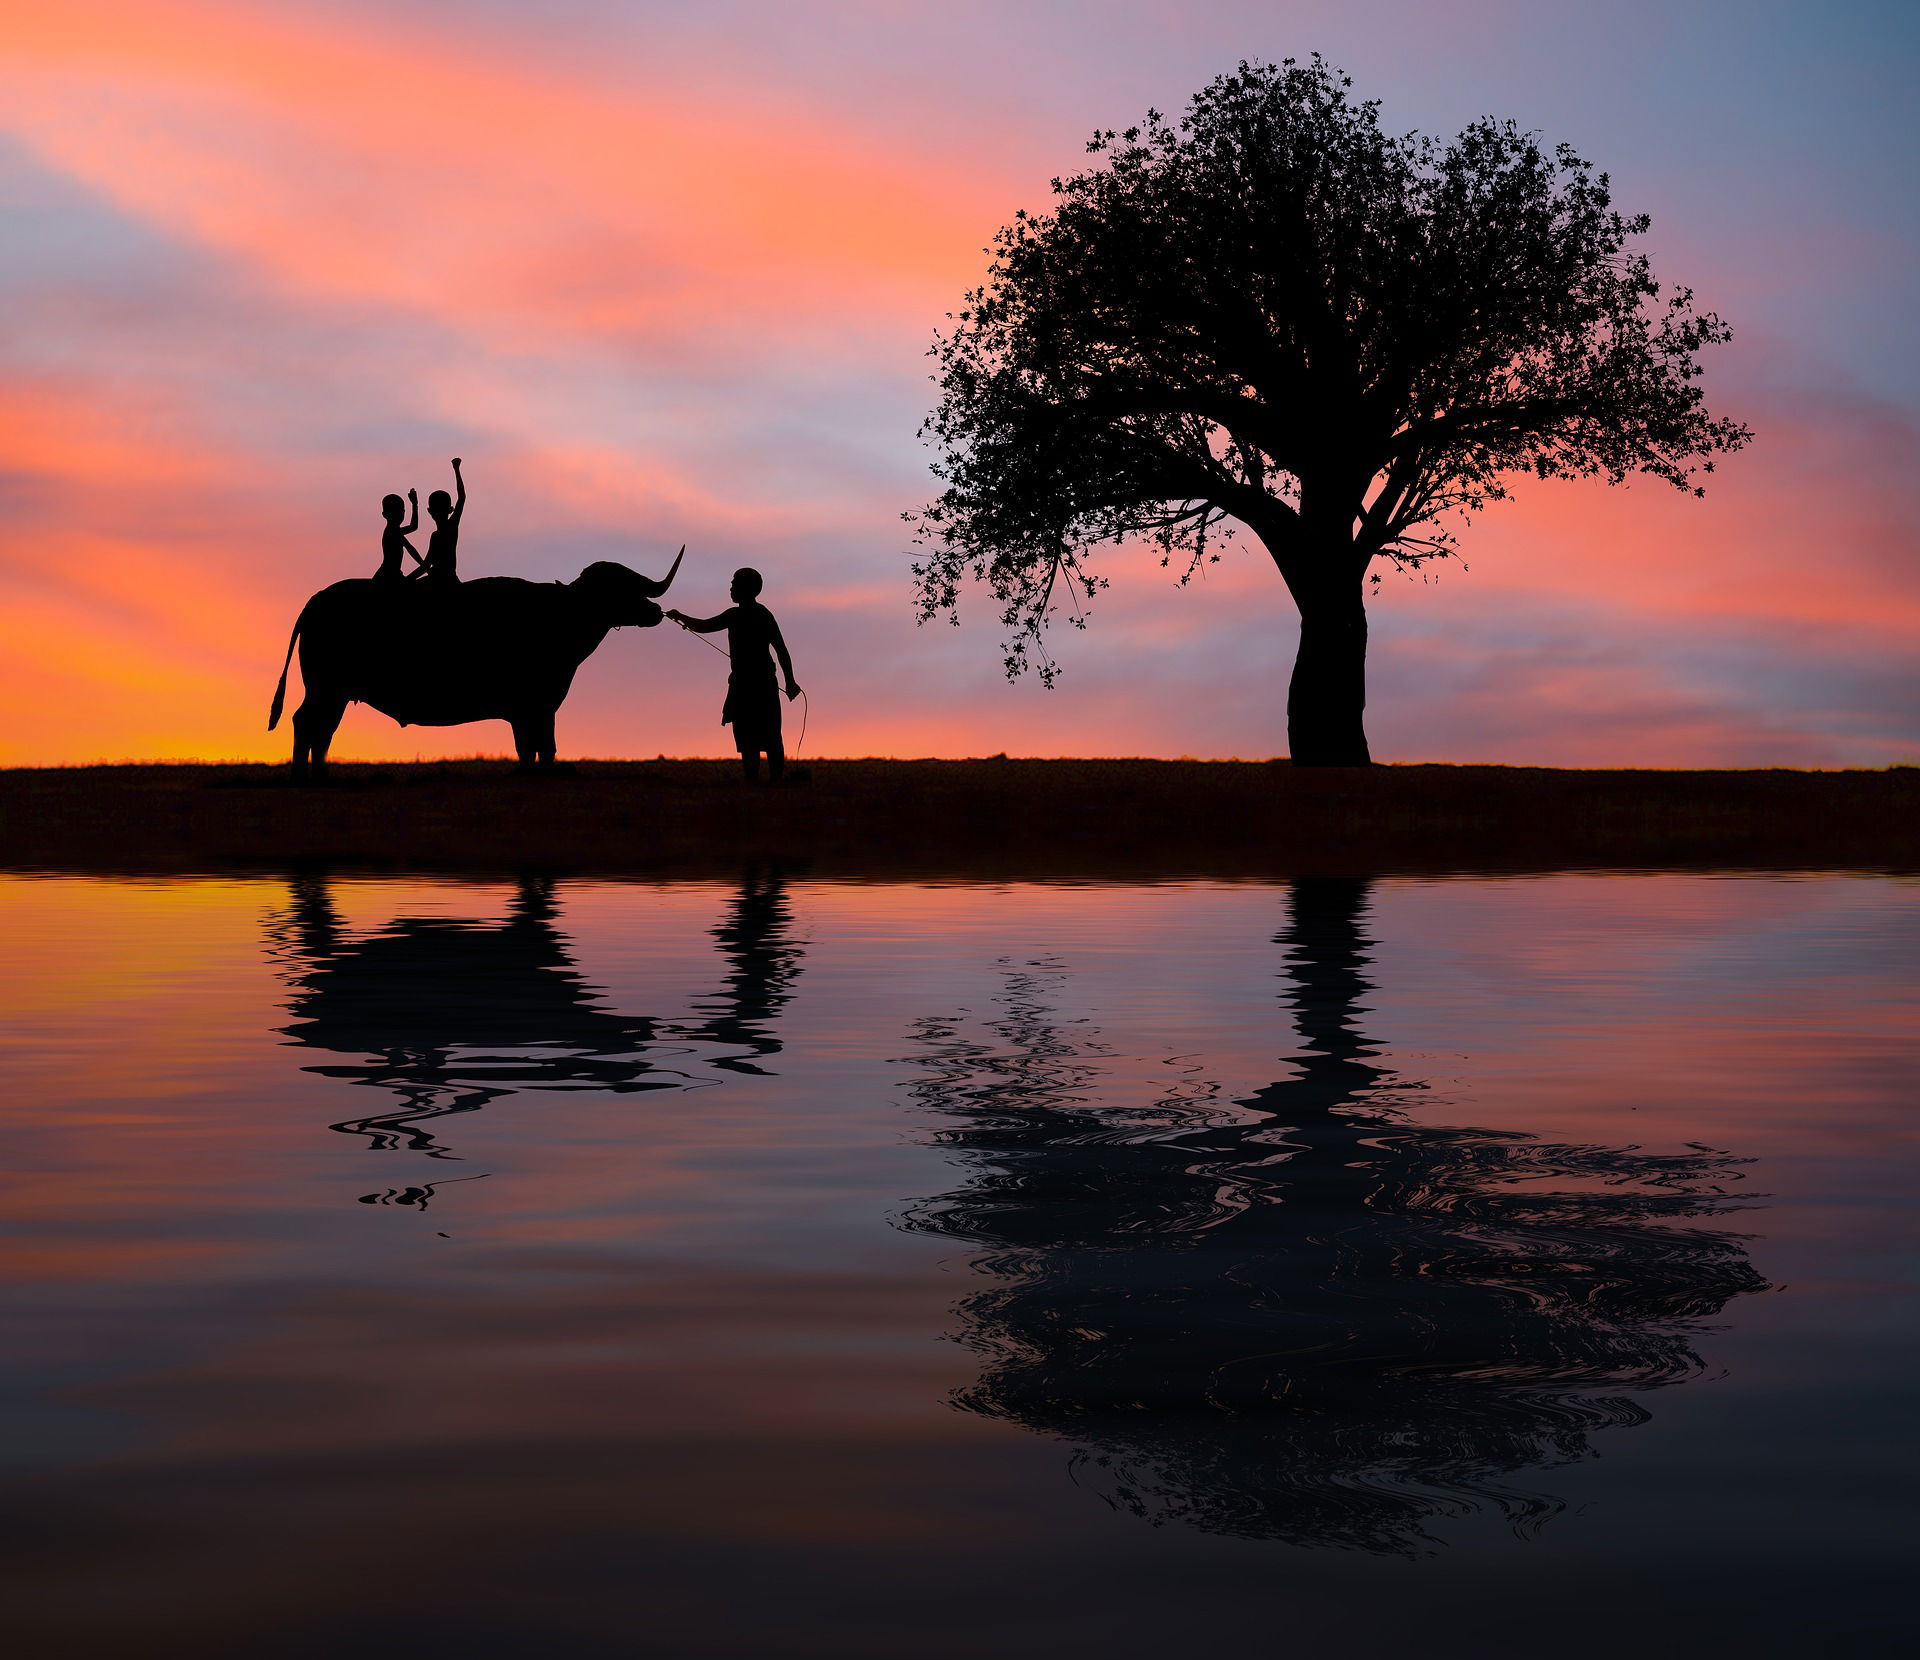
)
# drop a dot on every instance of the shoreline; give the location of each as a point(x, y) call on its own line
point(975, 819)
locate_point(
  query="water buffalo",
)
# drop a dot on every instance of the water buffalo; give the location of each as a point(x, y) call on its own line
point(499, 648)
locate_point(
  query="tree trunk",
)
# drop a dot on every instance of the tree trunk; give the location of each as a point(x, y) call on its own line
point(1327, 698)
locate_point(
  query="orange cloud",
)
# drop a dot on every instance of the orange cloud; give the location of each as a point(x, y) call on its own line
point(477, 187)
point(1803, 528)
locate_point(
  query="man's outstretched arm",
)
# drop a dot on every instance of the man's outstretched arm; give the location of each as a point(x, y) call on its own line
point(701, 625)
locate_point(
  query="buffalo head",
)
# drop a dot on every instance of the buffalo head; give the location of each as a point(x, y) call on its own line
point(621, 597)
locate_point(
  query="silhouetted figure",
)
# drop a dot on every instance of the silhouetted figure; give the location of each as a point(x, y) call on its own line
point(443, 654)
point(442, 564)
point(394, 546)
point(752, 708)
point(1306, 1316)
point(450, 1014)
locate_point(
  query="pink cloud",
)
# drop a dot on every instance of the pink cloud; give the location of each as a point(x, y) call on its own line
point(479, 187)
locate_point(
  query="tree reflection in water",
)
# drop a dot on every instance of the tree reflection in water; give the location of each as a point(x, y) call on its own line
point(1313, 1318)
point(451, 1013)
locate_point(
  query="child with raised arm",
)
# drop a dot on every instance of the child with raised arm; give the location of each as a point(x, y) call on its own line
point(393, 540)
point(753, 698)
point(442, 563)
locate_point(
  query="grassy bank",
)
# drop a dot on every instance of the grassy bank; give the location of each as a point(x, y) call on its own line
point(959, 818)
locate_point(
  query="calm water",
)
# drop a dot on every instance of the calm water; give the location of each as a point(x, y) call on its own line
point(1486, 1266)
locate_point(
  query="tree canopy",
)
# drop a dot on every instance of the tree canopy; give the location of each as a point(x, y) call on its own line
point(1271, 313)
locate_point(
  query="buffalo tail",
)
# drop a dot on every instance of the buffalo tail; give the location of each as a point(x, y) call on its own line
point(280, 691)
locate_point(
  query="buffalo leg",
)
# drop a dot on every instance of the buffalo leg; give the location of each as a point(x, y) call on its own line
point(314, 724)
point(533, 741)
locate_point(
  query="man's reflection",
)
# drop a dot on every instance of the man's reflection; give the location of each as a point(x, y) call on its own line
point(450, 1013)
point(756, 939)
point(1311, 1318)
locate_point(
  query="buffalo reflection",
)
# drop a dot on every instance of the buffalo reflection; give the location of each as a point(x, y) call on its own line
point(451, 1013)
point(1310, 1318)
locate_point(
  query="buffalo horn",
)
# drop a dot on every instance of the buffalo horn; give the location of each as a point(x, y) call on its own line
point(656, 589)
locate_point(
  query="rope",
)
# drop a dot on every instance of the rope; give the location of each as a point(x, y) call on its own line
point(806, 708)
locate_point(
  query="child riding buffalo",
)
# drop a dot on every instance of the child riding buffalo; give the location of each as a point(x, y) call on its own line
point(394, 545)
point(441, 564)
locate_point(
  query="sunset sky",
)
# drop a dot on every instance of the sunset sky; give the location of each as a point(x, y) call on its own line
point(666, 272)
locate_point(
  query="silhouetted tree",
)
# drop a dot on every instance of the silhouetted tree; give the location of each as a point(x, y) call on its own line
point(1272, 313)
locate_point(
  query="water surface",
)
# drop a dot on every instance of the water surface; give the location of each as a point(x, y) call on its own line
point(786, 1268)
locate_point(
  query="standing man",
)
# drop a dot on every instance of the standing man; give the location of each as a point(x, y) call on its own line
point(753, 697)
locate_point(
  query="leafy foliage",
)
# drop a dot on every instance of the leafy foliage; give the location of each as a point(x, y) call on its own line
point(1272, 314)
